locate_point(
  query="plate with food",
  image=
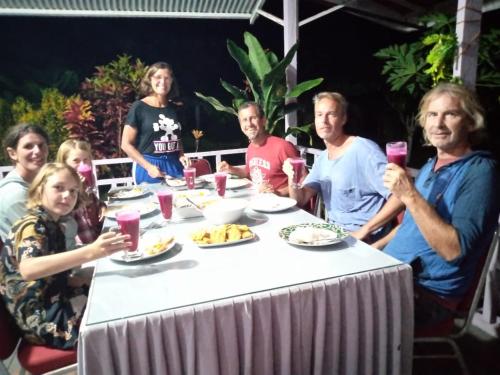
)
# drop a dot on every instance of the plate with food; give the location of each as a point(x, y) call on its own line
point(143, 208)
point(180, 183)
point(186, 209)
point(222, 235)
point(211, 177)
point(151, 244)
point(271, 203)
point(313, 234)
point(127, 192)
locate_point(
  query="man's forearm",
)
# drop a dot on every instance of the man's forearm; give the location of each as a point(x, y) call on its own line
point(441, 236)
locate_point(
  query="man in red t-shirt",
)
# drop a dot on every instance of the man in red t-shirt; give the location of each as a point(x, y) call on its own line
point(265, 154)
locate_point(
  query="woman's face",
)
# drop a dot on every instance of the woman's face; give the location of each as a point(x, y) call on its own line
point(161, 82)
point(77, 156)
point(29, 155)
point(60, 194)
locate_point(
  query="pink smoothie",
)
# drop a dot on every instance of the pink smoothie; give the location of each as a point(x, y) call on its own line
point(189, 176)
point(129, 224)
point(397, 158)
point(220, 179)
point(165, 199)
point(298, 169)
point(86, 171)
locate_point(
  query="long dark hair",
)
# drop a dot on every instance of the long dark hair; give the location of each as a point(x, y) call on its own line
point(18, 131)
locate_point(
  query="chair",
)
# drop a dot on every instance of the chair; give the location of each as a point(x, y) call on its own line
point(449, 330)
point(202, 167)
point(37, 359)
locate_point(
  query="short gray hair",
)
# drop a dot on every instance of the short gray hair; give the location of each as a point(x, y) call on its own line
point(335, 96)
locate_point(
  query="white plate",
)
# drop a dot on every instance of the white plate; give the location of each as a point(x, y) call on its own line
point(340, 234)
point(211, 178)
point(237, 183)
point(180, 183)
point(127, 193)
point(145, 242)
point(271, 203)
point(144, 209)
point(228, 243)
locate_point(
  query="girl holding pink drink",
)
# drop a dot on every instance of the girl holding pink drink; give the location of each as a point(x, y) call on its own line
point(36, 284)
point(90, 216)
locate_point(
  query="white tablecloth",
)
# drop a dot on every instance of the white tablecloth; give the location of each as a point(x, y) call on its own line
point(263, 307)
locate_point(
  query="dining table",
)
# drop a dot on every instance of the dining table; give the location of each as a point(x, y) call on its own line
point(263, 306)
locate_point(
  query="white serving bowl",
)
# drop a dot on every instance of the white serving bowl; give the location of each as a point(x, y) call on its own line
point(225, 211)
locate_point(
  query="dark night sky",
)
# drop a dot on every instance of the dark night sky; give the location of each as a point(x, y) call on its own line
point(338, 47)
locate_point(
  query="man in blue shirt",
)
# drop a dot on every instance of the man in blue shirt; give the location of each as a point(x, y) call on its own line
point(348, 173)
point(451, 209)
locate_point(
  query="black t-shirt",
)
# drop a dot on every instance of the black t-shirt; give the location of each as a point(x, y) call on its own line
point(158, 130)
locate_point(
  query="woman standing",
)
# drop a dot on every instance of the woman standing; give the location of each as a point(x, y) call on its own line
point(26, 145)
point(151, 135)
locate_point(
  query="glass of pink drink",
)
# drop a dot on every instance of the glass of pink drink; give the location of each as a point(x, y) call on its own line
point(165, 197)
point(128, 221)
point(189, 176)
point(220, 179)
point(85, 171)
point(396, 153)
point(298, 165)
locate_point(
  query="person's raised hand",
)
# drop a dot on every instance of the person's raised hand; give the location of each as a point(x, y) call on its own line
point(398, 181)
point(109, 243)
point(185, 161)
point(288, 169)
point(224, 166)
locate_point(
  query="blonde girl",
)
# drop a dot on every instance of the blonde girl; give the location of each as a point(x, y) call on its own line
point(89, 216)
point(35, 283)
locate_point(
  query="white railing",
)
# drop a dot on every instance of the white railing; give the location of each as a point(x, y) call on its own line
point(128, 180)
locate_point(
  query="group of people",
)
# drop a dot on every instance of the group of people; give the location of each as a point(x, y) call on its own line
point(451, 209)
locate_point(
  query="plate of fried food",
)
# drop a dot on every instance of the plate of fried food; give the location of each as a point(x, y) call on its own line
point(151, 244)
point(131, 192)
point(222, 235)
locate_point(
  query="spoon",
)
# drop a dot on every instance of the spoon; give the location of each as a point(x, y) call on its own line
point(194, 204)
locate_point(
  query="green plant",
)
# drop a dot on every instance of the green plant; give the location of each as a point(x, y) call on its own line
point(49, 115)
point(99, 111)
point(413, 68)
point(265, 83)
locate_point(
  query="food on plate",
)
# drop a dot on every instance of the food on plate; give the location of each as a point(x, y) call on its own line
point(159, 246)
point(126, 193)
point(143, 209)
point(310, 235)
point(175, 182)
point(221, 234)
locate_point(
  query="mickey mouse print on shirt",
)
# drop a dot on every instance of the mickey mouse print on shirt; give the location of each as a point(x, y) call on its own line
point(169, 142)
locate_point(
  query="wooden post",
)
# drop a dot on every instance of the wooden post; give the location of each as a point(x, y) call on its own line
point(291, 36)
point(468, 31)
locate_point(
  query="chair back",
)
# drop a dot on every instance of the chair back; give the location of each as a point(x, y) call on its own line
point(202, 167)
point(468, 304)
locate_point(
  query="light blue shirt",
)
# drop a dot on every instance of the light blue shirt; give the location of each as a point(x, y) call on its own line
point(351, 185)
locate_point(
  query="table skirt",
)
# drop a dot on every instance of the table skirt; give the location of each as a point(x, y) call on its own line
point(355, 324)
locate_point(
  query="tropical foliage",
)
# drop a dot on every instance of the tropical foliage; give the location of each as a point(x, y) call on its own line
point(98, 112)
point(265, 78)
point(413, 68)
point(48, 114)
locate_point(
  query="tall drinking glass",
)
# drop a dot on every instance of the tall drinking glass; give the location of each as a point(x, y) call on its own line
point(298, 165)
point(220, 179)
point(85, 171)
point(128, 221)
point(165, 197)
point(189, 176)
point(396, 153)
